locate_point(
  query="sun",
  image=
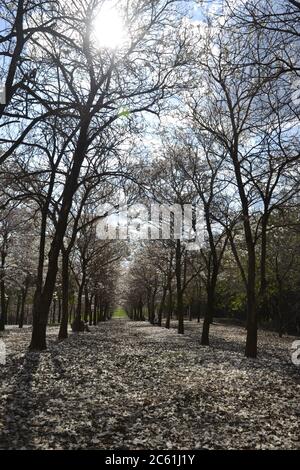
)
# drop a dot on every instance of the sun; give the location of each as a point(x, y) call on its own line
point(109, 28)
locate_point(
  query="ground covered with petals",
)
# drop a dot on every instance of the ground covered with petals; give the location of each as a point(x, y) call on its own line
point(127, 385)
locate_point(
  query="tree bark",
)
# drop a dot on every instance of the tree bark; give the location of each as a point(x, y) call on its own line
point(18, 309)
point(2, 285)
point(263, 298)
point(23, 303)
point(77, 320)
point(179, 289)
point(251, 341)
point(162, 306)
point(95, 310)
point(170, 307)
point(63, 329)
point(90, 311)
point(86, 304)
point(211, 294)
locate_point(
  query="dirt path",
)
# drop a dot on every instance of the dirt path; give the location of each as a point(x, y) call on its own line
point(129, 385)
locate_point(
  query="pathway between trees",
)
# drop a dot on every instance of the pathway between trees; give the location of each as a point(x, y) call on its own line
point(132, 385)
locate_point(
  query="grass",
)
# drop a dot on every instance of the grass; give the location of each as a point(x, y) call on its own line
point(119, 313)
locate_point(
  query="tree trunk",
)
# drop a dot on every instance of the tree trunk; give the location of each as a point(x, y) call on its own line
point(2, 287)
point(54, 312)
point(101, 311)
point(63, 329)
point(190, 312)
point(179, 289)
point(18, 309)
point(153, 307)
point(23, 303)
point(95, 310)
point(280, 303)
point(90, 311)
point(210, 310)
point(106, 311)
point(59, 310)
point(280, 322)
point(77, 320)
point(149, 308)
point(263, 258)
point(170, 307)
point(162, 306)
point(140, 310)
point(86, 305)
point(3, 306)
point(251, 341)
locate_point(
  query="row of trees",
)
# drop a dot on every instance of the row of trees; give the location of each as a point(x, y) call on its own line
point(87, 275)
point(225, 84)
point(66, 123)
point(235, 151)
point(150, 289)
